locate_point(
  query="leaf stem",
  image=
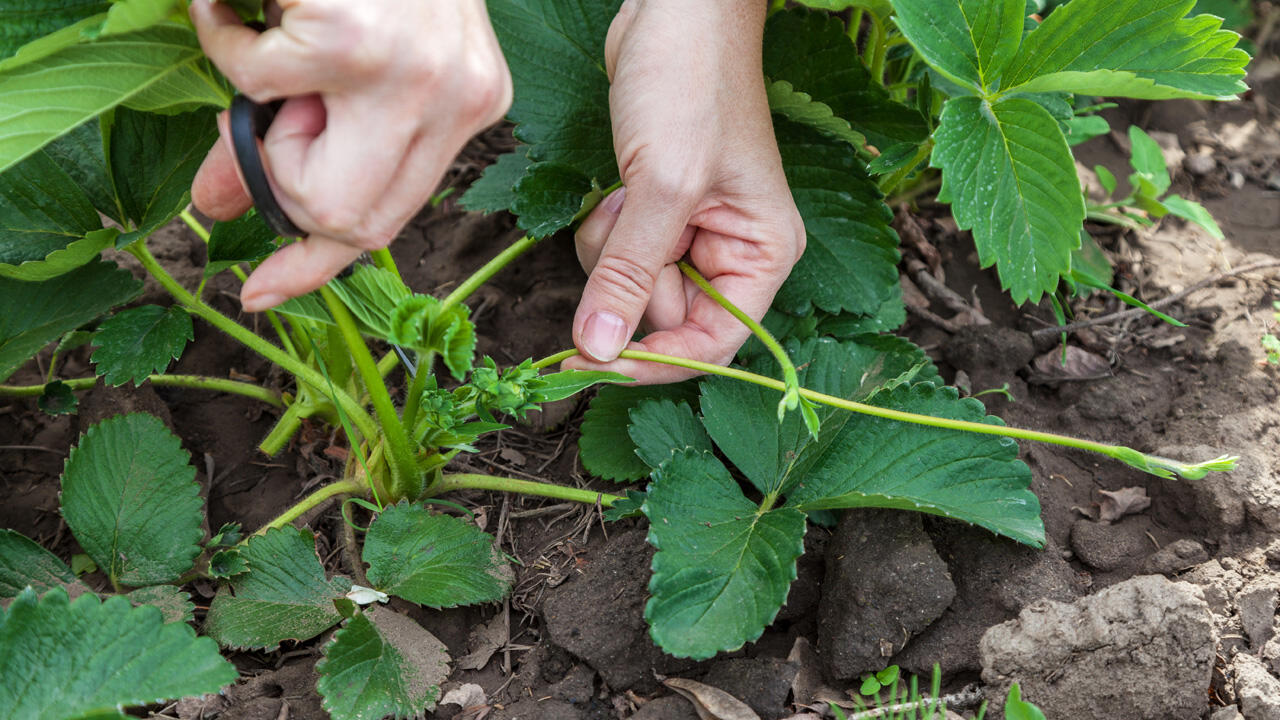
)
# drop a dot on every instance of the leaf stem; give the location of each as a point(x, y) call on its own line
point(470, 481)
point(889, 184)
point(486, 271)
point(247, 338)
point(284, 429)
point(197, 382)
point(342, 487)
point(406, 482)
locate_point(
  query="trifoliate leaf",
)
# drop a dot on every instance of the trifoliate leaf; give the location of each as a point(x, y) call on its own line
point(381, 664)
point(153, 159)
point(605, 446)
point(245, 239)
point(660, 427)
point(723, 567)
point(35, 314)
point(495, 189)
point(283, 596)
point(1131, 48)
point(969, 41)
point(229, 534)
point(799, 107)
point(227, 563)
point(371, 294)
point(87, 658)
point(434, 560)
point(1009, 176)
point(48, 225)
point(57, 398)
point(812, 52)
point(850, 262)
point(129, 496)
point(138, 342)
point(174, 604)
point(548, 197)
point(47, 97)
point(24, 563)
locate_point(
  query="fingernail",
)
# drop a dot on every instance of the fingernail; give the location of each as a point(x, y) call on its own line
point(256, 303)
point(604, 336)
point(613, 203)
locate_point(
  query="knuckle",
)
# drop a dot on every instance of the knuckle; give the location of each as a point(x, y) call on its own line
point(333, 220)
point(486, 95)
point(625, 279)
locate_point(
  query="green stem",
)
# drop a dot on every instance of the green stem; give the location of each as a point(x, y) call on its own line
point(248, 339)
point(413, 398)
point(855, 26)
point(876, 49)
point(891, 183)
point(406, 482)
point(196, 382)
point(272, 317)
point(488, 270)
point(468, 481)
point(284, 429)
point(382, 259)
point(342, 487)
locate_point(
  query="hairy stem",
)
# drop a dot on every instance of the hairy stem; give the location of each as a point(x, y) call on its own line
point(195, 382)
point(405, 479)
point(488, 270)
point(248, 339)
point(468, 481)
point(342, 487)
point(284, 429)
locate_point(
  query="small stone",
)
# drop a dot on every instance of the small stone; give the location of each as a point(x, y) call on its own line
point(1257, 689)
point(1108, 547)
point(1175, 557)
point(1256, 603)
point(1200, 164)
point(1231, 712)
point(671, 707)
point(1271, 655)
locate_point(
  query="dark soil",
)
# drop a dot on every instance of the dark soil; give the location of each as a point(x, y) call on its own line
point(571, 642)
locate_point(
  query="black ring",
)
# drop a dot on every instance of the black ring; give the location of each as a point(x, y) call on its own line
point(249, 123)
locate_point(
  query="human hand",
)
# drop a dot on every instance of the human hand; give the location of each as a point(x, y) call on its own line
point(381, 95)
point(701, 175)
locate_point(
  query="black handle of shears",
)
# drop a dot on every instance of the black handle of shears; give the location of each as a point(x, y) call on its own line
point(249, 123)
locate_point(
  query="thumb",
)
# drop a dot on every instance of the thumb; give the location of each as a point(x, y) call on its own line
point(621, 284)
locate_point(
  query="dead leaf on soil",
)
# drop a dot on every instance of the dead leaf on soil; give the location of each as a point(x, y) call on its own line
point(1081, 365)
point(808, 689)
point(467, 696)
point(486, 639)
point(513, 456)
point(1118, 503)
point(804, 716)
point(711, 703)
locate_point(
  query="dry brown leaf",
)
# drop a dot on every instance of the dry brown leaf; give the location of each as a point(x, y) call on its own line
point(711, 703)
point(1081, 365)
point(1118, 503)
point(486, 639)
point(469, 695)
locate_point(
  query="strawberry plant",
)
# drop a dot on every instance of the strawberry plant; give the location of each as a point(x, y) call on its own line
point(810, 421)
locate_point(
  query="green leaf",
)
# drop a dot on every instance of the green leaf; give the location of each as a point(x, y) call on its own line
point(1194, 212)
point(44, 220)
point(283, 596)
point(44, 99)
point(79, 153)
point(605, 447)
point(372, 294)
point(850, 262)
point(495, 189)
point(229, 534)
point(175, 606)
point(382, 663)
point(24, 563)
point(882, 8)
point(22, 21)
point(434, 560)
point(567, 383)
point(812, 52)
point(1017, 709)
point(968, 41)
point(1084, 128)
point(549, 197)
point(245, 239)
point(660, 427)
point(765, 450)
point(77, 659)
point(153, 159)
point(82, 564)
point(1106, 178)
point(57, 398)
point(1132, 48)
point(227, 564)
point(129, 496)
point(1089, 265)
point(138, 342)
point(1148, 160)
point(1009, 176)
point(34, 314)
point(629, 506)
point(871, 462)
point(799, 107)
point(723, 567)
